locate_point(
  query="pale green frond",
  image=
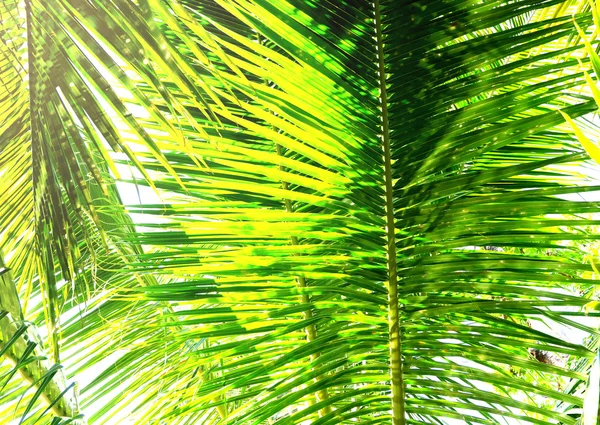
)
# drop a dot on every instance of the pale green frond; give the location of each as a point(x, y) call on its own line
point(363, 210)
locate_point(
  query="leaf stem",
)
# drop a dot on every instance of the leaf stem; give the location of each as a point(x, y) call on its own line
point(310, 330)
point(398, 409)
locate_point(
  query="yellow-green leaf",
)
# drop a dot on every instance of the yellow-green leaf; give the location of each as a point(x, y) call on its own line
point(590, 147)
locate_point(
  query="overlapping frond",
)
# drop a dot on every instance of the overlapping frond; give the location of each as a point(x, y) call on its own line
point(476, 186)
point(61, 216)
point(255, 287)
point(26, 378)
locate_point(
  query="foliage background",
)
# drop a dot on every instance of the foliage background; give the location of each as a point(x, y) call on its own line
point(343, 190)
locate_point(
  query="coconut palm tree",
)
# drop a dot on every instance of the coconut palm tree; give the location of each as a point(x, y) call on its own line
point(296, 211)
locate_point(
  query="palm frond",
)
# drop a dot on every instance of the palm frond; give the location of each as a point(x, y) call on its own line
point(24, 369)
point(344, 190)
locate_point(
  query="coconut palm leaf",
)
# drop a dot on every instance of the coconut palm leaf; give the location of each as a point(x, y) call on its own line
point(25, 367)
point(352, 207)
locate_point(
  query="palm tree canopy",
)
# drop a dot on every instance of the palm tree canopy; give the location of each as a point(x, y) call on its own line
point(297, 211)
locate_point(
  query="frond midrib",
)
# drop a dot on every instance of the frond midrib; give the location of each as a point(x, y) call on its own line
point(398, 409)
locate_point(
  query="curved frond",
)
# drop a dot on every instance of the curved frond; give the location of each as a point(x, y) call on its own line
point(301, 211)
